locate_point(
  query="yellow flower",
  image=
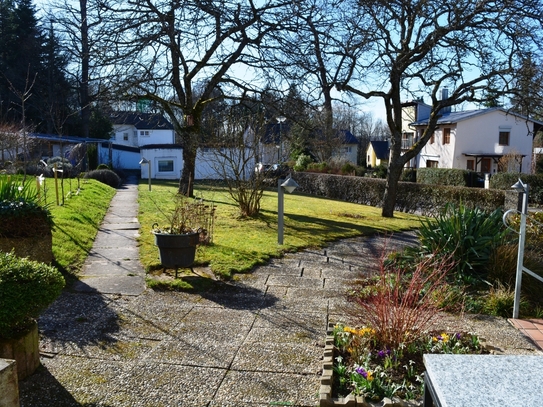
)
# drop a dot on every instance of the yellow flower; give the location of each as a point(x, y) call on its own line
point(370, 376)
point(444, 337)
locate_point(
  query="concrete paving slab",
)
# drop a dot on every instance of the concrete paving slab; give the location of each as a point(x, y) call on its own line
point(291, 281)
point(100, 267)
point(113, 284)
point(296, 358)
point(270, 388)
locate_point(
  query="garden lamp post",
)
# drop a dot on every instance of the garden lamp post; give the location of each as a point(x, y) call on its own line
point(524, 188)
point(288, 185)
point(280, 120)
point(145, 161)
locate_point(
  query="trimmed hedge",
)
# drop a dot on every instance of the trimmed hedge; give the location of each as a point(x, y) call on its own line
point(26, 288)
point(504, 181)
point(447, 176)
point(425, 199)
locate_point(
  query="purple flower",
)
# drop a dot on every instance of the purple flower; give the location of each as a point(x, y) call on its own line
point(458, 336)
point(361, 371)
point(383, 353)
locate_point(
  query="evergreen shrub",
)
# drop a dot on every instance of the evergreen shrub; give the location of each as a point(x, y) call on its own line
point(107, 177)
point(27, 287)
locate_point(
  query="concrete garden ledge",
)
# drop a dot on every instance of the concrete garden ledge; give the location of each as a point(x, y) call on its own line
point(9, 389)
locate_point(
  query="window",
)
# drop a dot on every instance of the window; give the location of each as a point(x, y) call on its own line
point(471, 165)
point(407, 140)
point(144, 132)
point(446, 135)
point(165, 165)
point(125, 136)
point(504, 138)
point(433, 138)
point(431, 164)
point(347, 149)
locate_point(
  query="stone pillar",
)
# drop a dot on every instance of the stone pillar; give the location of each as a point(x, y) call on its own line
point(9, 388)
point(25, 350)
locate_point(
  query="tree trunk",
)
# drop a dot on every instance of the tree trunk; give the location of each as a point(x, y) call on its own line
point(186, 182)
point(85, 57)
point(391, 188)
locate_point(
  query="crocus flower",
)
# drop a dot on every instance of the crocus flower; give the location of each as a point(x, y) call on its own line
point(361, 371)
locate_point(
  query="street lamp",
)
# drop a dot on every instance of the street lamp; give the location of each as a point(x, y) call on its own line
point(144, 161)
point(280, 120)
point(524, 188)
point(288, 185)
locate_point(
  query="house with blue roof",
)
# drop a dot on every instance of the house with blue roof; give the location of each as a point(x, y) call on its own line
point(477, 140)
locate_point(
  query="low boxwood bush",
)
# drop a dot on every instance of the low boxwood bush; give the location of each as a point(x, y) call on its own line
point(26, 288)
point(107, 177)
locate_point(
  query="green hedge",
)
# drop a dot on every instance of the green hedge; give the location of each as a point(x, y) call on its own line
point(447, 176)
point(504, 181)
point(26, 288)
point(412, 197)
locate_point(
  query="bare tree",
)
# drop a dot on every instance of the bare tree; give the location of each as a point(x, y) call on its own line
point(310, 49)
point(231, 152)
point(184, 53)
point(415, 48)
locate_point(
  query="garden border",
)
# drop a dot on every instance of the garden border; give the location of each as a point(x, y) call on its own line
point(327, 379)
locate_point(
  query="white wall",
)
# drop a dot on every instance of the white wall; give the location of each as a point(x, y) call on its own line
point(348, 152)
point(214, 164)
point(481, 135)
point(165, 163)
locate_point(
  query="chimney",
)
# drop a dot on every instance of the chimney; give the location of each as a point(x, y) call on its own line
point(445, 96)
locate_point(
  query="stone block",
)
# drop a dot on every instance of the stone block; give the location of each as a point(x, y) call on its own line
point(9, 389)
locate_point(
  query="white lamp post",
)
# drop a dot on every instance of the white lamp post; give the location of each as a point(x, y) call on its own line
point(280, 120)
point(524, 188)
point(144, 161)
point(288, 185)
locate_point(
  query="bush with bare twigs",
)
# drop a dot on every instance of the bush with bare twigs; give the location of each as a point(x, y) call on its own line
point(399, 304)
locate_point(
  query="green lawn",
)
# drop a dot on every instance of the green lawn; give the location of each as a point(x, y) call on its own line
point(240, 244)
point(77, 221)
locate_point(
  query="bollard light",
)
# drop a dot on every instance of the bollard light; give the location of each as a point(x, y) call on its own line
point(288, 185)
point(145, 161)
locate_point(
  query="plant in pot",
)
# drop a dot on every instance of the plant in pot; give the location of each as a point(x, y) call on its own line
point(189, 223)
point(27, 287)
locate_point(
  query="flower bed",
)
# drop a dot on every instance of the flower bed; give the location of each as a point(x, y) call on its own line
point(357, 373)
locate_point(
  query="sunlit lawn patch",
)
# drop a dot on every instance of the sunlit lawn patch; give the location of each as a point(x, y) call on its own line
point(241, 243)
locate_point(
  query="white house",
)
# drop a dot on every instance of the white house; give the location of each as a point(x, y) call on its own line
point(478, 139)
point(165, 161)
point(348, 149)
point(136, 129)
